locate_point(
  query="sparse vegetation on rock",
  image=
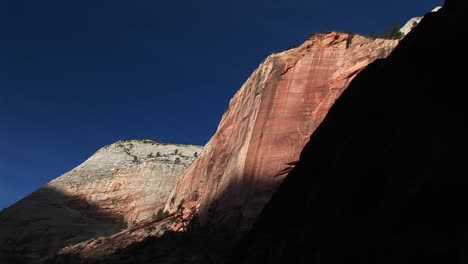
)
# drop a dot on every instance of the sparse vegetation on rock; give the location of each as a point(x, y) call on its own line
point(349, 40)
point(392, 33)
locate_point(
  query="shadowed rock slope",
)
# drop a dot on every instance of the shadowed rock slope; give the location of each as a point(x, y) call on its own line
point(118, 186)
point(382, 180)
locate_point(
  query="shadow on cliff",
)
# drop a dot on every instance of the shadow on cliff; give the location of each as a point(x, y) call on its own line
point(211, 242)
point(382, 179)
point(47, 220)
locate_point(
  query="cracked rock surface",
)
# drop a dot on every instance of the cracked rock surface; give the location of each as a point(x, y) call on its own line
point(118, 186)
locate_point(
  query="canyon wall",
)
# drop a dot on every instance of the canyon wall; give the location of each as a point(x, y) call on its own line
point(382, 178)
point(267, 124)
point(257, 143)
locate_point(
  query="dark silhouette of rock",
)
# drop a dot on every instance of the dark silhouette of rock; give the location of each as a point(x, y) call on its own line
point(382, 180)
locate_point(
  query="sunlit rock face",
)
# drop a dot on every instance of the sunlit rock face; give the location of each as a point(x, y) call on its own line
point(268, 122)
point(130, 179)
point(382, 180)
point(118, 186)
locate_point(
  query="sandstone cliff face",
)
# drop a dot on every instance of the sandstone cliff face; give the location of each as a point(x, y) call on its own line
point(258, 142)
point(382, 179)
point(124, 182)
point(267, 124)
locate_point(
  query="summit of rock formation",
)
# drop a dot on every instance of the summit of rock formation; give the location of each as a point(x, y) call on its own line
point(118, 186)
point(413, 22)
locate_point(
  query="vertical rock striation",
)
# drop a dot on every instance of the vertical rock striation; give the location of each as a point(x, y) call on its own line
point(382, 180)
point(267, 124)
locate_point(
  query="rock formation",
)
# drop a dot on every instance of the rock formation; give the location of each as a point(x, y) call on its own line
point(118, 186)
point(382, 180)
point(413, 22)
point(257, 143)
point(267, 124)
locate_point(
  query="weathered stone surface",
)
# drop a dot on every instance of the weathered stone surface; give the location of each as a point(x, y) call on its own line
point(266, 126)
point(106, 245)
point(127, 180)
point(383, 179)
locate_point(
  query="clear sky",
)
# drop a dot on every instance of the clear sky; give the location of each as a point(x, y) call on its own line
point(78, 75)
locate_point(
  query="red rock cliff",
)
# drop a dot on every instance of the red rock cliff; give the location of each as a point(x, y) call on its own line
point(267, 124)
point(257, 143)
point(383, 179)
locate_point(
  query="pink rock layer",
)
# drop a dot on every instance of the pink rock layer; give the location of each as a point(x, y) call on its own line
point(267, 124)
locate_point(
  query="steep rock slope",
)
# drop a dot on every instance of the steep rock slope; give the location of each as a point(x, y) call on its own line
point(382, 180)
point(118, 186)
point(267, 124)
point(257, 143)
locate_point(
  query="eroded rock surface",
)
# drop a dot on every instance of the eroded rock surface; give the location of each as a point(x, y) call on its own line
point(266, 126)
point(118, 186)
point(382, 179)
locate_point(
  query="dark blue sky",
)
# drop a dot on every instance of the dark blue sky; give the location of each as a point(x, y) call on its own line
point(78, 75)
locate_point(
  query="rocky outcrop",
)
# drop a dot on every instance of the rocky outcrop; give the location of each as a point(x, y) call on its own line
point(382, 180)
point(267, 124)
point(413, 22)
point(118, 186)
point(130, 179)
point(103, 246)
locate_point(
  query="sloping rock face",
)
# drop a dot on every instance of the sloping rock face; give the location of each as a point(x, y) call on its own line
point(103, 246)
point(413, 22)
point(267, 124)
point(258, 142)
point(382, 180)
point(116, 187)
